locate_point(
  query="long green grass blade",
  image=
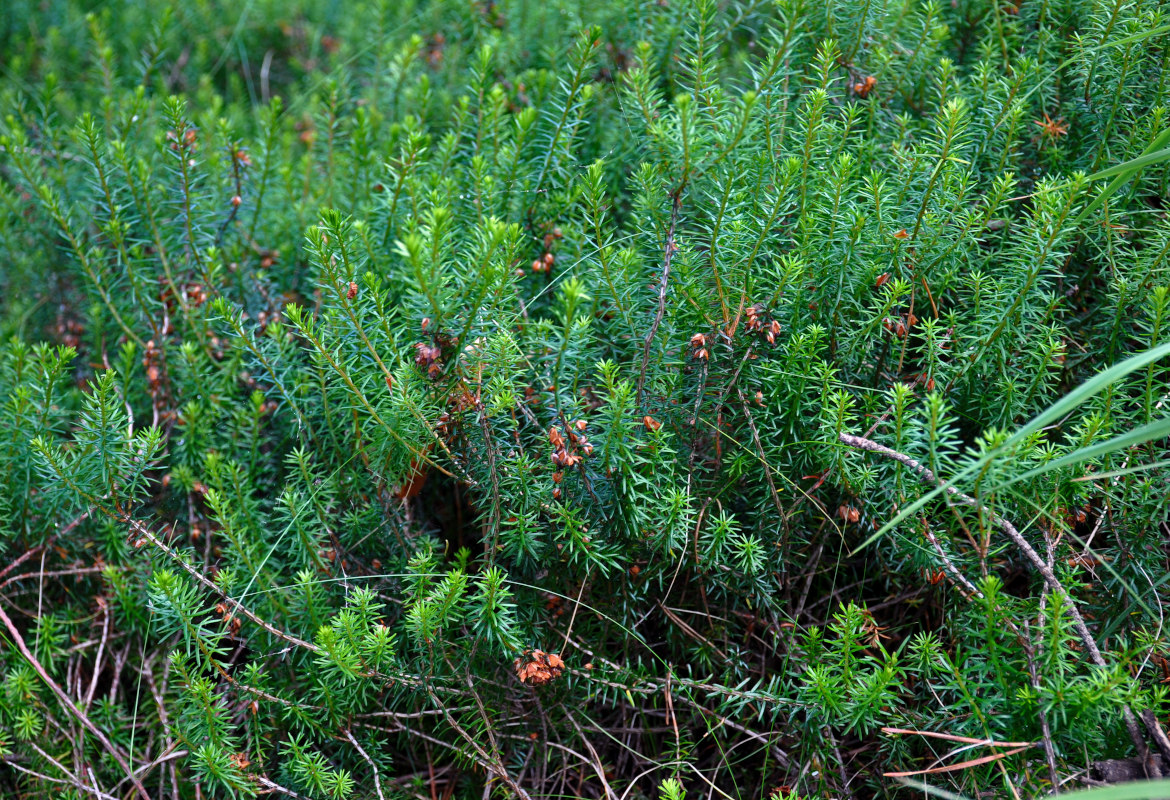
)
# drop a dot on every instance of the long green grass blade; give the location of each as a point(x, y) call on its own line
point(1057, 411)
point(1158, 429)
point(1124, 171)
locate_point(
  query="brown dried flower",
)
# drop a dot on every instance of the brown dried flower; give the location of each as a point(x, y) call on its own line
point(536, 667)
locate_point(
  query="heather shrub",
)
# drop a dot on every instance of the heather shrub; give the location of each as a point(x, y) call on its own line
point(624, 400)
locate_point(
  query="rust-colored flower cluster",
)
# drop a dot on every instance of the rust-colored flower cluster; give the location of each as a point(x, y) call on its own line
point(758, 321)
point(900, 326)
point(195, 293)
point(1051, 128)
point(154, 363)
point(430, 356)
point(184, 142)
point(434, 51)
point(864, 87)
point(69, 331)
point(536, 667)
point(229, 618)
point(568, 452)
point(545, 262)
point(923, 379)
point(186, 138)
point(699, 347)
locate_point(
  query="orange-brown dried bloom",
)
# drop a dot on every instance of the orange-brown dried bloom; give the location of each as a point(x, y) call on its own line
point(1053, 128)
point(536, 667)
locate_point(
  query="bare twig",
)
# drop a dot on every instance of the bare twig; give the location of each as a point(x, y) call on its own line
point(691, 632)
point(104, 605)
point(144, 532)
point(73, 781)
point(485, 760)
point(596, 762)
point(1045, 729)
point(170, 754)
point(1018, 539)
point(952, 737)
point(965, 584)
point(272, 786)
point(69, 705)
point(23, 557)
point(780, 755)
point(373, 766)
point(57, 573)
point(1157, 734)
point(1049, 751)
point(974, 762)
point(760, 448)
point(669, 250)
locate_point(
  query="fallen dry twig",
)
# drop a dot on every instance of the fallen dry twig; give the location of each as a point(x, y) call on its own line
point(1053, 583)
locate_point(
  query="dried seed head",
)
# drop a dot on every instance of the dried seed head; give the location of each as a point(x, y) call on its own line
point(426, 354)
point(848, 513)
point(536, 667)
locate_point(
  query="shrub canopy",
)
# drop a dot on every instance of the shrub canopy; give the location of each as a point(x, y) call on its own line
point(603, 399)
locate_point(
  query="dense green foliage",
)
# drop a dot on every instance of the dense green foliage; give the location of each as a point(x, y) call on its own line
point(350, 356)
